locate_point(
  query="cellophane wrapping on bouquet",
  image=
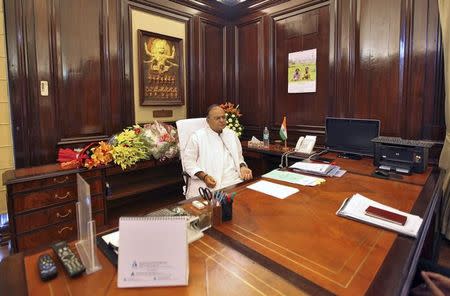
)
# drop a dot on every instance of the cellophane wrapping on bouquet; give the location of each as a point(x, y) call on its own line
point(163, 139)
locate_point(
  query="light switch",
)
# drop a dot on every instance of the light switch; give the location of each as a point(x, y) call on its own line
point(44, 88)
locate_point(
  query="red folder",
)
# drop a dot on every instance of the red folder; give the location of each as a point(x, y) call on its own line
point(386, 215)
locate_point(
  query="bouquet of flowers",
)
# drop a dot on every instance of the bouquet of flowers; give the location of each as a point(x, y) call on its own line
point(232, 115)
point(130, 146)
point(157, 140)
point(162, 139)
point(89, 157)
point(99, 155)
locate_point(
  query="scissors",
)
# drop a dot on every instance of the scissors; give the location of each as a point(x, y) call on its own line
point(205, 193)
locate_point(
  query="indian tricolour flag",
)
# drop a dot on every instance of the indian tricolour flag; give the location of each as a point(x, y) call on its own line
point(283, 130)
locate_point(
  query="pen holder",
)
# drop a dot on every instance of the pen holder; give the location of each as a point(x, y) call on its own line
point(227, 211)
point(217, 215)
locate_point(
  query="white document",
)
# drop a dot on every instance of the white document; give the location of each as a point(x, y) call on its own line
point(112, 238)
point(340, 173)
point(153, 252)
point(294, 178)
point(311, 167)
point(273, 189)
point(355, 207)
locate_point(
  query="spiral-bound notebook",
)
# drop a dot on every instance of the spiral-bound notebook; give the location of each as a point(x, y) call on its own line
point(153, 252)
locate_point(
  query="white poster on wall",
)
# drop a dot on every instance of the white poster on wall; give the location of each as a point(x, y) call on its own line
point(302, 72)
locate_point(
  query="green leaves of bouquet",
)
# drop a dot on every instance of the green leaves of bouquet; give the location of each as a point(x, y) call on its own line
point(129, 147)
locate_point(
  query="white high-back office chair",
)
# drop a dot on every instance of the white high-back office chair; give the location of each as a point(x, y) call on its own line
point(185, 128)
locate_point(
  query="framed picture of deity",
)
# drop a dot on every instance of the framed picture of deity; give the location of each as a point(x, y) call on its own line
point(160, 69)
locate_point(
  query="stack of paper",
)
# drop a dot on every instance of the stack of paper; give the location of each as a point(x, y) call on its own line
point(355, 208)
point(273, 189)
point(319, 169)
point(294, 178)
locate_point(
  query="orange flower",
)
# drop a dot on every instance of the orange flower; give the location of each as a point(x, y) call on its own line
point(229, 108)
point(101, 155)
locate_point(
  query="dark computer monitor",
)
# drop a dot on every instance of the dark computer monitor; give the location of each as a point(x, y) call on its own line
point(351, 136)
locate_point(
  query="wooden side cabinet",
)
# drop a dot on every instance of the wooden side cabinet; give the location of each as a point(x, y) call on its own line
point(41, 200)
point(41, 204)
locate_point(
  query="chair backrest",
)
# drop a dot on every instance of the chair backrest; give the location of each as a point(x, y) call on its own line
point(185, 128)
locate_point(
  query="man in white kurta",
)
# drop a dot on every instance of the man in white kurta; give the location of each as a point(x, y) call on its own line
point(213, 156)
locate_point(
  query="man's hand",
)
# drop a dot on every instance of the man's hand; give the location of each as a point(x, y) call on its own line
point(246, 173)
point(438, 284)
point(209, 181)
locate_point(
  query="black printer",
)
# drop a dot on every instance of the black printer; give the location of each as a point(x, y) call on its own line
point(400, 155)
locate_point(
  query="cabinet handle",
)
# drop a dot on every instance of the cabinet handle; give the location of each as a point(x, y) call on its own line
point(62, 197)
point(55, 180)
point(64, 229)
point(58, 215)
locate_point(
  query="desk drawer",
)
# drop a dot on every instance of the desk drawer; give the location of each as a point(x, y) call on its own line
point(63, 231)
point(35, 200)
point(39, 199)
point(46, 217)
point(53, 181)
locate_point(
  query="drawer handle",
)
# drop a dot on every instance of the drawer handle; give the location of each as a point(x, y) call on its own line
point(65, 179)
point(62, 197)
point(64, 229)
point(58, 215)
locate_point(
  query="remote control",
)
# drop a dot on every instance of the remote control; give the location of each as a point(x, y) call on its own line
point(69, 260)
point(47, 267)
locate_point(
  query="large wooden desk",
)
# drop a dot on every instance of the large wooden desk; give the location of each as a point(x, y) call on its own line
point(302, 238)
point(292, 246)
point(214, 269)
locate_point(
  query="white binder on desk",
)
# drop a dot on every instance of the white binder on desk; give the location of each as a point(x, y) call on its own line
point(153, 252)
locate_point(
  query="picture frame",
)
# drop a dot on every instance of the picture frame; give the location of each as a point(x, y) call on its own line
point(161, 80)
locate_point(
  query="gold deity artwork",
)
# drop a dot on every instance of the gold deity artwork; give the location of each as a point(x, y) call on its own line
point(161, 69)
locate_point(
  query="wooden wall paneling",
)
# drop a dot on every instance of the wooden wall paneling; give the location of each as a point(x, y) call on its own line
point(127, 61)
point(267, 68)
point(384, 61)
point(380, 62)
point(212, 66)
point(424, 32)
point(119, 110)
point(305, 28)
point(44, 117)
point(32, 97)
point(405, 57)
point(433, 125)
point(105, 72)
point(194, 108)
point(18, 90)
point(209, 74)
point(249, 91)
point(345, 18)
point(332, 55)
point(82, 110)
point(230, 63)
point(212, 63)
